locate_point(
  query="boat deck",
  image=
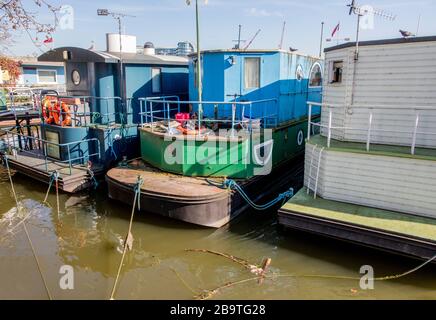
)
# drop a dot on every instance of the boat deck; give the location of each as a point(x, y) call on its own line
point(387, 230)
point(165, 184)
point(375, 149)
point(70, 180)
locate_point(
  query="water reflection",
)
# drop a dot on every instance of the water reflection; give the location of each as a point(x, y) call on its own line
point(88, 234)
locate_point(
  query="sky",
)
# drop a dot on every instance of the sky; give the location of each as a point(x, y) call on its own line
point(166, 22)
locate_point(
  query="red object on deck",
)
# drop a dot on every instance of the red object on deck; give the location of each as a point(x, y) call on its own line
point(181, 117)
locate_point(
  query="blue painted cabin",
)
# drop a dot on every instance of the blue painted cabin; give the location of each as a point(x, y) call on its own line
point(95, 74)
point(253, 75)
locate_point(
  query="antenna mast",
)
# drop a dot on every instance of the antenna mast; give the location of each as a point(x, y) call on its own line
point(362, 11)
point(283, 35)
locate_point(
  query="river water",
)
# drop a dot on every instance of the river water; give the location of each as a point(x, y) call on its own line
point(89, 231)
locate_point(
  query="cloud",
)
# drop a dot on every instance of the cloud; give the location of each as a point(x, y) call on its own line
point(254, 12)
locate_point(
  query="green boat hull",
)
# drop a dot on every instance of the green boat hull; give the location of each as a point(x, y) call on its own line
point(231, 157)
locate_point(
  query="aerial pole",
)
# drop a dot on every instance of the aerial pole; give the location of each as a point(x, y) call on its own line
point(239, 37)
point(321, 39)
point(283, 35)
point(118, 16)
point(199, 80)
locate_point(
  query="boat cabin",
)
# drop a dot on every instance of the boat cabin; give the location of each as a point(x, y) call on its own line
point(377, 146)
point(288, 78)
point(95, 124)
point(244, 93)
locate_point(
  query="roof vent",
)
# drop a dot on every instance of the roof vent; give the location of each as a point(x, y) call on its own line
point(149, 48)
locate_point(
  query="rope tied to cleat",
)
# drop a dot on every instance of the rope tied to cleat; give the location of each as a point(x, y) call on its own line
point(54, 178)
point(233, 185)
point(91, 175)
point(110, 142)
point(128, 242)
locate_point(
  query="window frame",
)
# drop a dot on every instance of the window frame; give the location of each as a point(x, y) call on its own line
point(299, 67)
point(152, 80)
point(310, 75)
point(259, 60)
point(38, 80)
point(332, 72)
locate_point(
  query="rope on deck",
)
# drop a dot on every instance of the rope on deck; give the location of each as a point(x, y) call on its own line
point(129, 238)
point(233, 185)
point(5, 157)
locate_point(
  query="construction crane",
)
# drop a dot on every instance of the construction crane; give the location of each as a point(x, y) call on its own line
point(252, 39)
point(283, 35)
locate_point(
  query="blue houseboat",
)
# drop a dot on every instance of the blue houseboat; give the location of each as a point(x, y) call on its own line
point(95, 124)
point(245, 132)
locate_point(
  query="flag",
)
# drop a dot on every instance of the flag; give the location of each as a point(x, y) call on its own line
point(48, 40)
point(336, 29)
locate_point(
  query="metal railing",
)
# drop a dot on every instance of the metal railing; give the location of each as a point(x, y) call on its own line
point(148, 109)
point(369, 130)
point(81, 113)
point(13, 140)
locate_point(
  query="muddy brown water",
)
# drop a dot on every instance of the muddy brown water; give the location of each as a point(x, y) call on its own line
point(88, 235)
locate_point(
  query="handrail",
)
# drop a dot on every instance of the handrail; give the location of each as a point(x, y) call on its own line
point(149, 111)
point(369, 129)
point(44, 143)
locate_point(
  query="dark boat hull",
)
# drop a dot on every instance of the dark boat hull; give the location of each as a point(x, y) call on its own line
point(212, 211)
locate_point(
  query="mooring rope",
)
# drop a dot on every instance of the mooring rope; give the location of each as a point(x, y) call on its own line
point(110, 143)
point(5, 157)
point(136, 200)
point(233, 185)
point(54, 177)
point(92, 175)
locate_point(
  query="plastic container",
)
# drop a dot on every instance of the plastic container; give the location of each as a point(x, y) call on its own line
point(182, 117)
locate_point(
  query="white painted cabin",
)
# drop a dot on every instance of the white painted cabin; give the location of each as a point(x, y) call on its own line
point(395, 80)
point(378, 127)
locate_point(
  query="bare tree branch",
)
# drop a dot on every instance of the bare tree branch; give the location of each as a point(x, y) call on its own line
point(14, 16)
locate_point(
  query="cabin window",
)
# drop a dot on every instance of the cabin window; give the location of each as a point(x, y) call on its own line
point(47, 76)
point(156, 80)
point(336, 71)
point(299, 73)
point(315, 76)
point(251, 73)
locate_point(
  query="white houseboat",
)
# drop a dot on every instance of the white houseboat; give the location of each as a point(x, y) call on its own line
point(370, 175)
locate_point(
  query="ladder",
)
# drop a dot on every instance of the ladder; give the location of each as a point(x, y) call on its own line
point(312, 181)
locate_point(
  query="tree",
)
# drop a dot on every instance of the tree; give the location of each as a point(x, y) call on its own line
point(14, 16)
point(12, 67)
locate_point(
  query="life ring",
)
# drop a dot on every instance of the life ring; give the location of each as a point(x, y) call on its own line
point(52, 109)
point(66, 116)
point(46, 106)
point(54, 113)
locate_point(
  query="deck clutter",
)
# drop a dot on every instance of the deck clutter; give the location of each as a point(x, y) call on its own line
point(369, 175)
